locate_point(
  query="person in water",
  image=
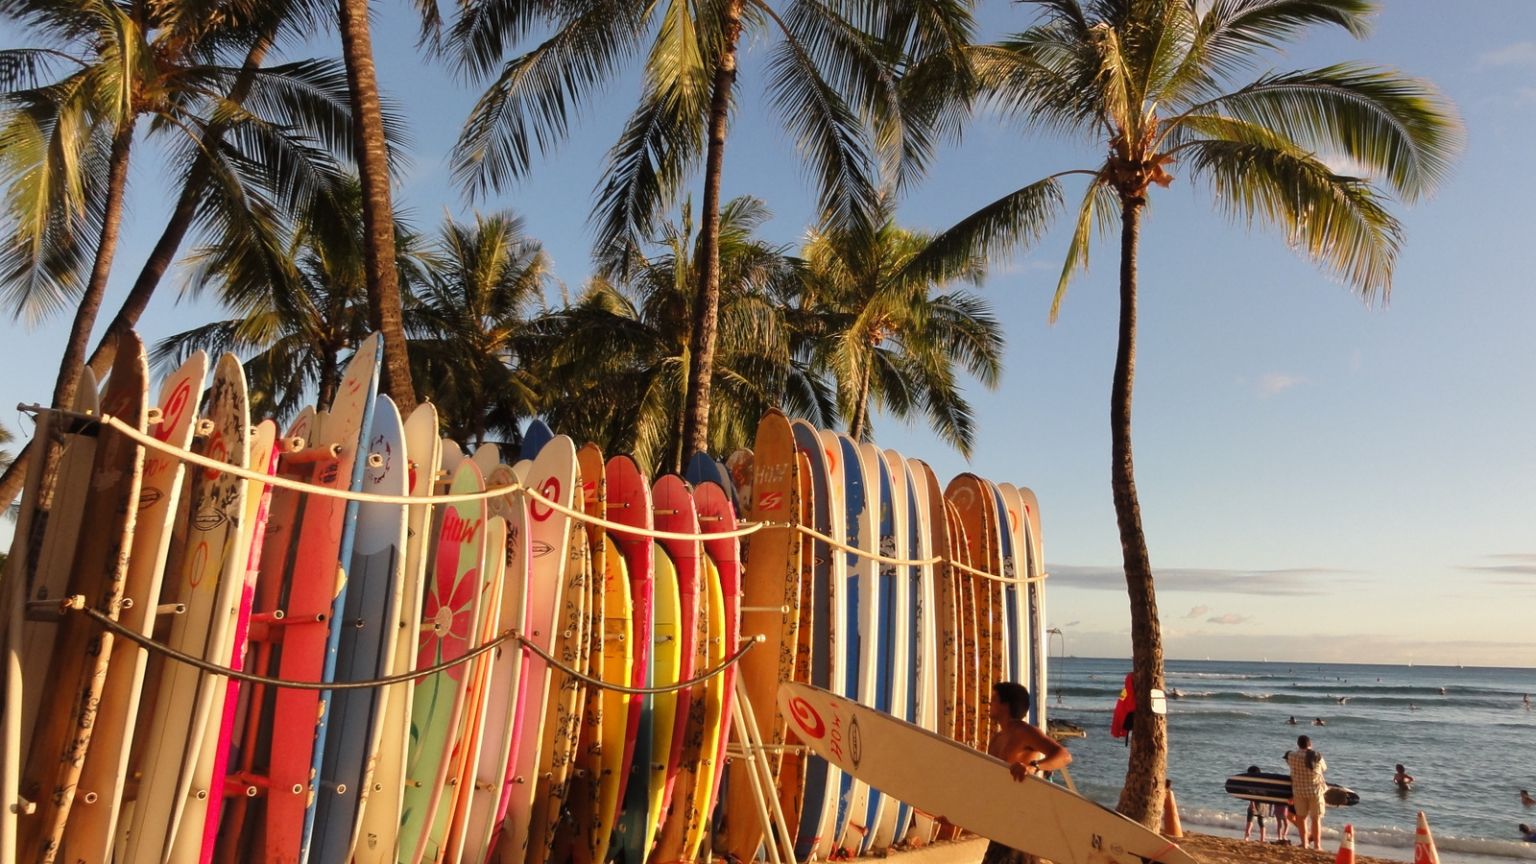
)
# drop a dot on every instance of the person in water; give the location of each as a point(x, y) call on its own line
point(1291, 722)
point(1307, 787)
point(1318, 721)
point(1026, 749)
point(1526, 799)
point(1527, 833)
point(1402, 778)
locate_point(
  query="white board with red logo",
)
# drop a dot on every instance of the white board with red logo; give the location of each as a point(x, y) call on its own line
point(967, 787)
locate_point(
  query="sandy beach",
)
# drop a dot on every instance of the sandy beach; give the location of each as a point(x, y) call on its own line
point(1218, 850)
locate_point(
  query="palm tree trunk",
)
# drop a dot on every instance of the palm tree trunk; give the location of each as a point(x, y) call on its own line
point(701, 361)
point(90, 302)
point(159, 261)
point(384, 306)
point(860, 416)
point(1141, 798)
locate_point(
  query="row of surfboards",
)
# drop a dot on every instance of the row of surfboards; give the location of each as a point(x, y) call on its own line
point(125, 755)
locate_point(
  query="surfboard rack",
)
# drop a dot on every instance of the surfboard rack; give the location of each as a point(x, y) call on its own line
point(776, 837)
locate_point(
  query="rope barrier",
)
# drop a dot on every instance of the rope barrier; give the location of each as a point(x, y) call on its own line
point(745, 529)
point(77, 604)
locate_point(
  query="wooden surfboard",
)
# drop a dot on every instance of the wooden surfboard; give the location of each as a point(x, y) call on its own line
point(92, 825)
point(575, 833)
point(368, 636)
point(505, 688)
point(978, 517)
point(208, 584)
point(554, 475)
point(792, 767)
point(80, 650)
point(451, 614)
point(380, 822)
point(979, 794)
point(629, 503)
point(770, 607)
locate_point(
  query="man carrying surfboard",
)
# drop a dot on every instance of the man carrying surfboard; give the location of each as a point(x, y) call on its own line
point(1026, 749)
point(1307, 786)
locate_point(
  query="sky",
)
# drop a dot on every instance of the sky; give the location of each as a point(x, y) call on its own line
point(1319, 480)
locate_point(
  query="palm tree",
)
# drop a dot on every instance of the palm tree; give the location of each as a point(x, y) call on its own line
point(299, 294)
point(65, 138)
point(384, 298)
point(856, 84)
point(1152, 81)
point(480, 285)
point(615, 361)
point(893, 336)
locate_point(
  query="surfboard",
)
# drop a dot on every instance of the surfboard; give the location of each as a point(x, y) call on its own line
point(629, 503)
point(973, 509)
point(200, 818)
point(368, 634)
point(207, 585)
point(675, 510)
point(976, 791)
point(858, 656)
point(265, 448)
point(1031, 643)
point(792, 767)
point(450, 616)
point(664, 669)
point(821, 779)
point(946, 627)
point(717, 515)
point(886, 633)
point(449, 824)
point(380, 822)
point(1014, 612)
point(907, 697)
point(567, 694)
point(617, 666)
point(507, 682)
point(864, 610)
point(80, 650)
point(1036, 591)
point(574, 833)
point(92, 825)
point(1276, 789)
point(249, 746)
point(969, 718)
point(535, 437)
point(926, 634)
point(771, 607)
point(835, 812)
point(553, 474)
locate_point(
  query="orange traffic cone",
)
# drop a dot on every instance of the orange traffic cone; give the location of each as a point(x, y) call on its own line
point(1346, 847)
point(1424, 851)
point(1172, 828)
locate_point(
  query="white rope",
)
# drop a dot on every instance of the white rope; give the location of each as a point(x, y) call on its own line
point(744, 529)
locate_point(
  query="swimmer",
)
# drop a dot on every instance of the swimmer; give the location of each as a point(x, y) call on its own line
point(1291, 722)
point(1526, 799)
point(1526, 701)
point(1402, 778)
point(1318, 722)
point(1527, 833)
point(1442, 691)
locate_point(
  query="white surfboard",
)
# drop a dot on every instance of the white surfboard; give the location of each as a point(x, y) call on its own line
point(970, 788)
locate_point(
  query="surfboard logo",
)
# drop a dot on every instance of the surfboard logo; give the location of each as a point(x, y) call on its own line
point(550, 489)
point(770, 501)
point(805, 715)
point(855, 743)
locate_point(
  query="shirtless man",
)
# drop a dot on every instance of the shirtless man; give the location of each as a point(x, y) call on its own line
point(1026, 749)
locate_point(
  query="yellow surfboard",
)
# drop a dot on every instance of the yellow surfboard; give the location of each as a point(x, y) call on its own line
point(664, 670)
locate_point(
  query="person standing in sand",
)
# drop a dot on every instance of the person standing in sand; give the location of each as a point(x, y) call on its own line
point(1026, 749)
point(1307, 787)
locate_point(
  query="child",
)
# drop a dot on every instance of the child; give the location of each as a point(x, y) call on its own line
point(1282, 814)
point(1402, 778)
point(1255, 813)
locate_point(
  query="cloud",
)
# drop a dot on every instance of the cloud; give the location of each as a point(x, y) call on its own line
point(1229, 618)
point(1298, 582)
point(1515, 564)
point(1513, 54)
point(1278, 382)
point(1198, 611)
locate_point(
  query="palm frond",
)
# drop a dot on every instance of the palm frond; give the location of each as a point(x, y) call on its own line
point(1012, 222)
point(1231, 36)
point(1096, 213)
point(1340, 222)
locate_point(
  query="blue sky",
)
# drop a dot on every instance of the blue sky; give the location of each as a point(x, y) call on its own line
point(1318, 479)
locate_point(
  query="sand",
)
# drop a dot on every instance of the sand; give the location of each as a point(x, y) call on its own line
point(1218, 850)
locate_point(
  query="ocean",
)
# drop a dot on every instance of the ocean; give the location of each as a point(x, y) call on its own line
point(1470, 750)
